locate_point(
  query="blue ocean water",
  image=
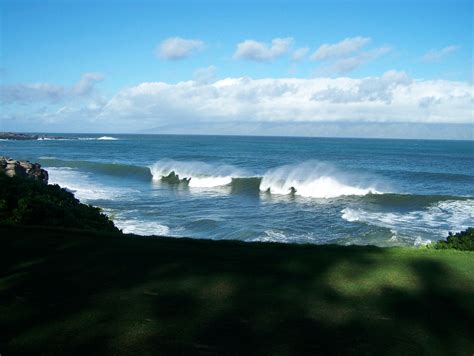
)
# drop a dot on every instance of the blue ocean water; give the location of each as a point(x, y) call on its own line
point(304, 190)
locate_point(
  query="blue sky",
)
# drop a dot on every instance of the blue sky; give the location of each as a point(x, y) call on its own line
point(55, 43)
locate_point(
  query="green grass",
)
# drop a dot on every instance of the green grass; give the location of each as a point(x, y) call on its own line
point(71, 292)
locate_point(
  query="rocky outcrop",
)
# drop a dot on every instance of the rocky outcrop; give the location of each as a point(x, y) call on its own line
point(23, 136)
point(26, 169)
point(17, 136)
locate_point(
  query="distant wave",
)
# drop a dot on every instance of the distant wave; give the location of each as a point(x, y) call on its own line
point(102, 138)
point(314, 180)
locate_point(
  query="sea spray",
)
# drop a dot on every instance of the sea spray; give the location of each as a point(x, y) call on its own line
point(315, 180)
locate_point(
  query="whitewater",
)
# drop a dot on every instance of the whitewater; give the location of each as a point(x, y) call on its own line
point(303, 190)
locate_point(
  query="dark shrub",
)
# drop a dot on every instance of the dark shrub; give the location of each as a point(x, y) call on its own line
point(463, 240)
point(29, 202)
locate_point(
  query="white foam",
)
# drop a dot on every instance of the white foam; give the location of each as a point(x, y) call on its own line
point(83, 187)
point(199, 174)
point(437, 220)
point(102, 138)
point(272, 236)
point(314, 180)
point(350, 215)
point(143, 228)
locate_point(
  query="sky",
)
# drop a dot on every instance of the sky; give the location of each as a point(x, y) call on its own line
point(305, 68)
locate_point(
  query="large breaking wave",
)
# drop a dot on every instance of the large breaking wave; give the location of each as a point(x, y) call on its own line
point(315, 180)
point(309, 179)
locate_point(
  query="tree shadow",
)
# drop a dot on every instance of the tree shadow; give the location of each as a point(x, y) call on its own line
point(122, 295)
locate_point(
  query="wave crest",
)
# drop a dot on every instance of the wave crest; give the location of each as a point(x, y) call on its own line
point(194, 173)
point(313, 180)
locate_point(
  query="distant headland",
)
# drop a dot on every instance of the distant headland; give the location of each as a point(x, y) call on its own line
point(25, 136)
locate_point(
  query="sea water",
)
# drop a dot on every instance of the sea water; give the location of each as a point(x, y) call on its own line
point(282, 189)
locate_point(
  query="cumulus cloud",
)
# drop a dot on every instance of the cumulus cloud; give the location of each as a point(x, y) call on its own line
point(300, 53)
point(46, 92)
point(393, 97)
point(438, 54)
point(175, 48)
point(260, 51)
point(341, 49)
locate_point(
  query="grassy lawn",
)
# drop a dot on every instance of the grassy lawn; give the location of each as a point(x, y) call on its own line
point(82, 293)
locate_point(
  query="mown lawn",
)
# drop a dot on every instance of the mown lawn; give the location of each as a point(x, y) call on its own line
point(70, 292)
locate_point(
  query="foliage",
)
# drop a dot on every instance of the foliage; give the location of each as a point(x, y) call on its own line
point(463, 240)
point(27, 202)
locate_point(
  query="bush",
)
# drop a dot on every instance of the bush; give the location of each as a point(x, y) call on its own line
point(28, 202)
point(463, 240)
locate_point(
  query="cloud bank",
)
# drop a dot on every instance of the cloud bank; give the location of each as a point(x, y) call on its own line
point(392, 97)
point(372, 106)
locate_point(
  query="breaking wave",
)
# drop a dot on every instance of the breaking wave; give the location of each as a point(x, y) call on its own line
point(314, 180)
point(195, 174)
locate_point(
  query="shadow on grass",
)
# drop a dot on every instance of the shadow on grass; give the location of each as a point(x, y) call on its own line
point(75, 293)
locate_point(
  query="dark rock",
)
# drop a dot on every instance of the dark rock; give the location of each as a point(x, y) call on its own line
point(25, 169)
point(23, 136)
point(17, 136)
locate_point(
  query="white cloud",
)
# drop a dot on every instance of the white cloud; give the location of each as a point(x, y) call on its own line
point(46, 92)
point(341, 49)
point(438, 54)
point(238, 105)
point(375, 89)
point(175, 48)
point(393, 97)
point(259, 51)
point(300, 53)
point(349, 64)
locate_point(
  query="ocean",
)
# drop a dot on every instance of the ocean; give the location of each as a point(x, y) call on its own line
point(280, 189)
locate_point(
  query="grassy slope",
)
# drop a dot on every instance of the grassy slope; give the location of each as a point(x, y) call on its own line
point(75, 292)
